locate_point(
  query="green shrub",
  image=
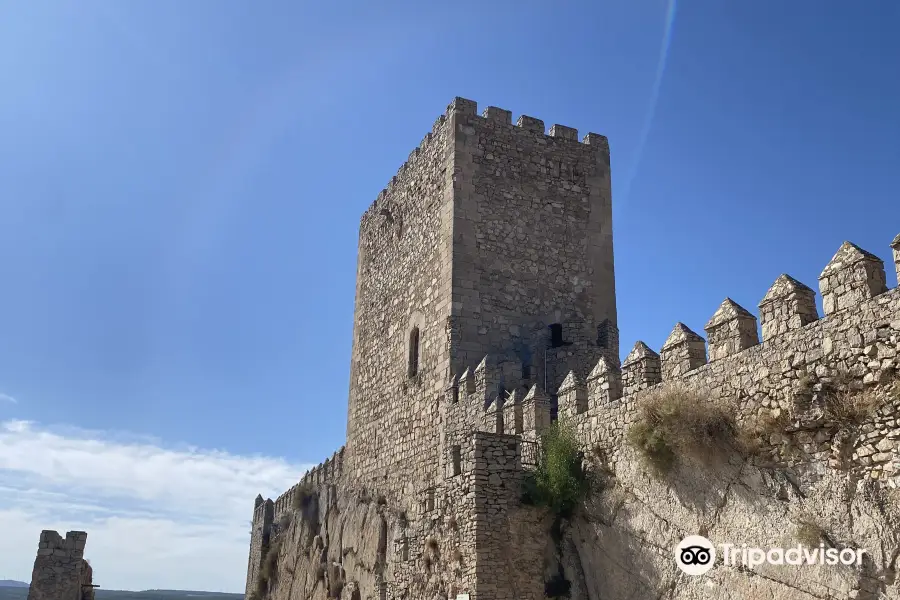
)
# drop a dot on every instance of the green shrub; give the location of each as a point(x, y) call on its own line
point(675, 422)
point(558, 480)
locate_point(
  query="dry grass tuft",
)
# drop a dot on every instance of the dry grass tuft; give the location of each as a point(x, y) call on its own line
point(677, 422)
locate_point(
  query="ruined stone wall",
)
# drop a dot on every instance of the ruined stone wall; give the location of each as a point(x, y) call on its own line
point(60, 571)
point(532, 246)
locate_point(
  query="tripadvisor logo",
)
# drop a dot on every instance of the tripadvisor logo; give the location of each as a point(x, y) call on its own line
point(695, 555)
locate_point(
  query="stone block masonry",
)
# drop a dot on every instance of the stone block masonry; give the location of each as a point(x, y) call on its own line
point(60, 571)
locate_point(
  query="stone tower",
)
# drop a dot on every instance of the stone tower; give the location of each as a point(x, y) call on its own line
point(495, 238)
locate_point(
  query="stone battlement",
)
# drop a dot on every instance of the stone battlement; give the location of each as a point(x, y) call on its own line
point(328, 472)
point(859, 335)
point(498, 116)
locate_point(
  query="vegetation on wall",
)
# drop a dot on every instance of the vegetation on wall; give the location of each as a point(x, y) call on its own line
point(558, 481)
point(676, 422)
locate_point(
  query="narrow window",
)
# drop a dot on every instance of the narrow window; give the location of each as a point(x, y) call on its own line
point(556, 338)
point(500, 425)
point(526, 371)
point(414, 352)
point(455, 394)
point(456, 460)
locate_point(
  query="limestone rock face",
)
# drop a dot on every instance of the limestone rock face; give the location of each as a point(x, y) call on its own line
point(622, 546)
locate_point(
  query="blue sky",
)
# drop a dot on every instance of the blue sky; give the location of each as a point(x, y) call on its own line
point(181, 184)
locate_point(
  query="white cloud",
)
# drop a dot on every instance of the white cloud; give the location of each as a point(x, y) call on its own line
point(8, 398)
point(156, 517)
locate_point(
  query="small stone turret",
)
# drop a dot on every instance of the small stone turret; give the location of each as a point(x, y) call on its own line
point(682, 351)
point(730, 330)
point(572, 396)
point(787, 305)
point(536, 415)
point(850, 278)
point(604, 384)
point(641, 369)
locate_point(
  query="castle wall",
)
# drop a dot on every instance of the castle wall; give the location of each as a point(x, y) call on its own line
point(60, 571)
point(858, 340)
point(532, 246)
point(263, 516)
point(403, 282)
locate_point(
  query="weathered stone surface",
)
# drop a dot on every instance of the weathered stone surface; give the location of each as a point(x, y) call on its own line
point(787, 305)
point(731, 329)
point(683, 351)
point(60, 571)
point(852, 276)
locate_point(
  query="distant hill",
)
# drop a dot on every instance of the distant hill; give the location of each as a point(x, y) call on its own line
point(21, 593)
point(12, 583)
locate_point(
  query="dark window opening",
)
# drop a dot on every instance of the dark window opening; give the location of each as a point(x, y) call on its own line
point(455, 395)
point(413, 352)
point(456, 460)
point(554, 408)
point(500, 425)
point(556, 338)
point(526, 371)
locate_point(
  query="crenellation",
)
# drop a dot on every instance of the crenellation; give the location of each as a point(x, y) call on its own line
point(512, 413)
point(566, 133)
point(731, 329)
point(851, 277)
point(530, 123)
point(499, 115)
point(487, 382)
point(462, 106)
point(604, 384)
point(536, 413)
point(683, 351)
point(895, 247)
point(573, 397)
point(788, 305)
point(641, 369)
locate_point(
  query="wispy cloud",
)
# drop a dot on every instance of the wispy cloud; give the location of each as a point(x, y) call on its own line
point(156, 517)
point(8, 398)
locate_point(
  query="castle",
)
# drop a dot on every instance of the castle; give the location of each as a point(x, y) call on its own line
point(486, 309)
